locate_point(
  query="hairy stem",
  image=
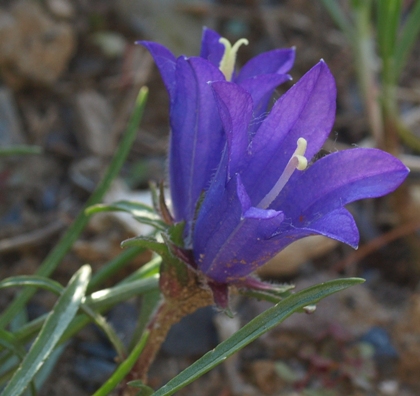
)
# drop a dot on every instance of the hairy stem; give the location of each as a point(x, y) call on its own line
point(179, 300)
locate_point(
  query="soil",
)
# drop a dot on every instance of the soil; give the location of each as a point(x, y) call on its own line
point(70, 90)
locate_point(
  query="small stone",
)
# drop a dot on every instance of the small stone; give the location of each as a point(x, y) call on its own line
point(8, 39)
point(95, 130)
point(10, 125)
point(61, 8)
point(379, 338)
point(389, 388)
point(33, 47)
point(112, 44)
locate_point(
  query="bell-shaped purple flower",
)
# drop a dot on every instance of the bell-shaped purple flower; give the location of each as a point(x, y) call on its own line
point(197, 139)
point(264, 196)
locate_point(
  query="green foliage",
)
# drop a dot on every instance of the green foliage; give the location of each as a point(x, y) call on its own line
point(68, 239)
point(124, 368)
point(140, 211)
point(19, 150)
point(389, 29)
point(254, 329)
point(52, 330)
point(84, 299)
point(144, 390)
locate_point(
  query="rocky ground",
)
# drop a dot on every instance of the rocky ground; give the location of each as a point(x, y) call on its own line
point(69, 74)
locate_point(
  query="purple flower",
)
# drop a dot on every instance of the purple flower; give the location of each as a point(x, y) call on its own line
point(197, 139)
point(264, 195)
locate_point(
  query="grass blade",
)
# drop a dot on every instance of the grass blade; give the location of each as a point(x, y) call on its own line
point(99, 301)
point(141, 212)
point(19, 150)
point(123, 369)
point(339, 17)
point(388, 21)
point(113, 266)
point(56, 323)
point(55, 287)
point(409, 34)
point(254, 329)
point(61, 249)
point(32, 280)
point(10, 342)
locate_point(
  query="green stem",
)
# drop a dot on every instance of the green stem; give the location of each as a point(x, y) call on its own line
point(365, 64)
point(113, 266)
point(19, 150)
point(123, 369)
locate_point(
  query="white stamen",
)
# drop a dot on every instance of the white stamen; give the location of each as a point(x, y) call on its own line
point(227, 64)
point(297, 161)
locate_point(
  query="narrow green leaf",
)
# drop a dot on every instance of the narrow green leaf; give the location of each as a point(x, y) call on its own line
point(32, 280)
point(152, 268)
point(275, 294)
point(388, 21)
point(55, 287)
point(408, 35)
point(48, 367)
point(99, 301)
point(103, 300)
point(57, 254)
point(261, 295)
point(254, 329)
point(57, 321)
point(113, 266)
point(21, 319)
point(132, 207)
point(140, 211)
point(10, 342)
point(146, 242)
point(114, 295)
point(339, 17)
point(7, 368)
point(123, 369)
point(19, 150)
point(144, 390)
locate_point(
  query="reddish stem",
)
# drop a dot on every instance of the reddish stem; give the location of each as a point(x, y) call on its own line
point(179, 300)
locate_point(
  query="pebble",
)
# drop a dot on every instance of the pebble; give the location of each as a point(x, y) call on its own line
point(33, 47)
point(61, 8)
point(379, 338)
point(389, 388)
point(95, 130)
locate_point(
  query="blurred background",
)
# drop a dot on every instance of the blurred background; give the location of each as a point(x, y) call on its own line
point(69, 76)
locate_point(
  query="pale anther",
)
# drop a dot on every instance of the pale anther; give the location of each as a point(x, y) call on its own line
point(297, 161)
point(299, 154)
point(227, 64)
